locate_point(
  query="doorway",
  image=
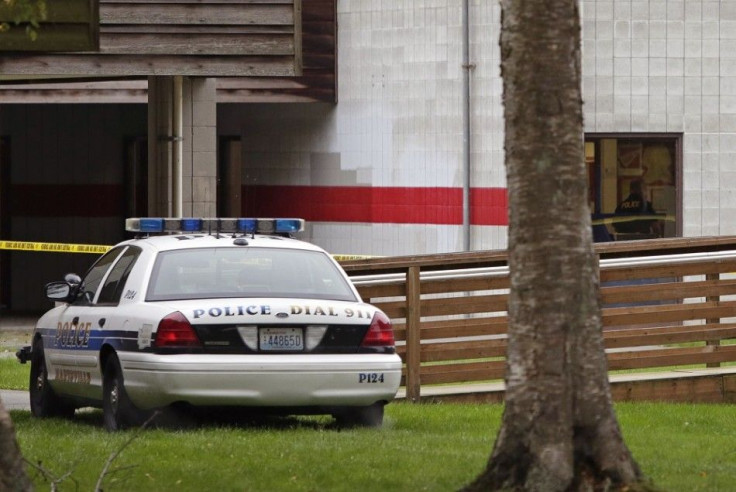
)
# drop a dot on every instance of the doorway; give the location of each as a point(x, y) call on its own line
point(5, 214)
point(229, 176)
point(136, 177)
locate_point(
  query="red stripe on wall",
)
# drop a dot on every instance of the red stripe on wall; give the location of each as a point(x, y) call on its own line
point(489, 206)
point(46, 200)
point(410, 205)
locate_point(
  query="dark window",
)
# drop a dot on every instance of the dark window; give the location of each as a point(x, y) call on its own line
point(115, 281)
point(92, 280)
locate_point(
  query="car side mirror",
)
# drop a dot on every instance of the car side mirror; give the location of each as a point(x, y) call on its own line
point(64, 290)
point(58, 291)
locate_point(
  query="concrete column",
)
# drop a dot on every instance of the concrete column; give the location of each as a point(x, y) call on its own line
point(200, 118)
point(199, 160)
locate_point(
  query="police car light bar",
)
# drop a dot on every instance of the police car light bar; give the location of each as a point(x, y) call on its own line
point(223, 225)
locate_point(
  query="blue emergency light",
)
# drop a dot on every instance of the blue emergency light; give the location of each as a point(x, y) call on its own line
point(214, 225)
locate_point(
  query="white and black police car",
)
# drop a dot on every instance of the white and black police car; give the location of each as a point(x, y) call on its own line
point(222, 314)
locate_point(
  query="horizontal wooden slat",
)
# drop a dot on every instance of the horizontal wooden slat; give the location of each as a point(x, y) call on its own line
point(432, 330)
point(163, 65)
point(392, 289)
point(693, 389)
point(194, 30)
point(671, 357)
point(449, 306)
point(392, 309)
point(465, 284)
point(464, 305)
point(189, 44)
point(640, 337)
point(477, 349)
point(495, 325)
point(668, 270)
point(199, 13)
point(668, 313)
point(667, 291)
point(474, 371)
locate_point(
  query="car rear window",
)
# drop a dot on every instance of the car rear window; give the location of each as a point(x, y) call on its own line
point(206, 273)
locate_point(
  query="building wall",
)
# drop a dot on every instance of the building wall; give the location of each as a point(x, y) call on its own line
point(394, 138)
point(651, 66)
point(670, 66)
point(357, 169)
point(67, 175)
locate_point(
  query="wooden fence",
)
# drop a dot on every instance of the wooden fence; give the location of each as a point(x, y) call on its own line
point(666, 304)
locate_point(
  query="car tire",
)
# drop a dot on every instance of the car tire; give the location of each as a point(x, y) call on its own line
point(44, 401)
point(118, 411)
point(369, 416)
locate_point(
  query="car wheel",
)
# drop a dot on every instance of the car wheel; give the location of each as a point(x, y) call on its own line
point(44, 401)
point(370, 416)
point(118, 411)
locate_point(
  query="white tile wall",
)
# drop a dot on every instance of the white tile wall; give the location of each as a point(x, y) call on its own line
point(679, 76)
point(398, 122)
point(648, 66)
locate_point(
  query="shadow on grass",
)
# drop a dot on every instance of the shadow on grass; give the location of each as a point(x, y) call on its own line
point(188, 418)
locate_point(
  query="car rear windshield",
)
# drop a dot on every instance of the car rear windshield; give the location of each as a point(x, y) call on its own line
point(206, 273)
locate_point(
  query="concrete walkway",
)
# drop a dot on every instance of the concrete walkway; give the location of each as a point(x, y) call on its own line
point(15, 331)
point(15, 400)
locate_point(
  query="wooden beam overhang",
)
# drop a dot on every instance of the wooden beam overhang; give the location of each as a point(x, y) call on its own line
point(181, 37)
point(318, 82)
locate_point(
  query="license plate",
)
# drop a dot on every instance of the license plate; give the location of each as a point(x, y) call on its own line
point(291, 339)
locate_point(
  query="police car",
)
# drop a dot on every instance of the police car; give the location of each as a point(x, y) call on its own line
point(223, 313)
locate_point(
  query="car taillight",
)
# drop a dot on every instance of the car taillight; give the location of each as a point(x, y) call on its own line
point(176, 331)
point(380, 333)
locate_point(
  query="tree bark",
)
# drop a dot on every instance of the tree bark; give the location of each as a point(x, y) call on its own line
point(12, 470)
point(559, 431)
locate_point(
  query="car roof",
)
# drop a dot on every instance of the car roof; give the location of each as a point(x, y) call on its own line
point(170, 242)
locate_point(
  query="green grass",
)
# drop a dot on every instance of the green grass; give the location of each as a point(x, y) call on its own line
point(421, 447)
point(13, 375)
point(415, 450)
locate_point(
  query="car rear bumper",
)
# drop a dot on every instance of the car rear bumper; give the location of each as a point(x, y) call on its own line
point(155, 380)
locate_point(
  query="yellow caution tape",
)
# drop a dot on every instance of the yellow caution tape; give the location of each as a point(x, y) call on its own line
point(96, 249)
point(99, 249)
point(339, 257)
point(632, 218)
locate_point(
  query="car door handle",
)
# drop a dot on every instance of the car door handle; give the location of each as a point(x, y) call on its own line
point(101, 322)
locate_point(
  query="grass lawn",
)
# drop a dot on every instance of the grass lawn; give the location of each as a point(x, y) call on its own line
point(13, 375)
point(421, 447)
